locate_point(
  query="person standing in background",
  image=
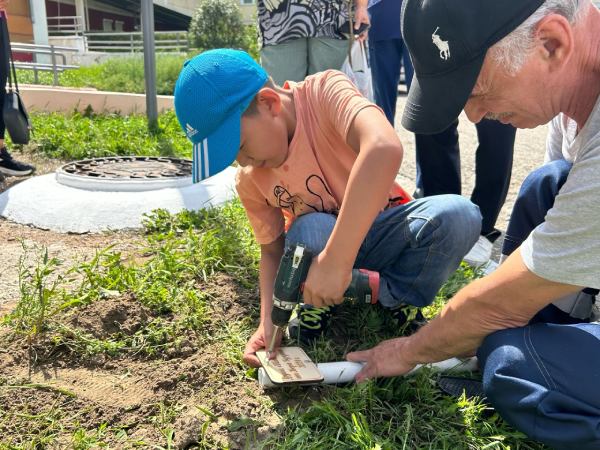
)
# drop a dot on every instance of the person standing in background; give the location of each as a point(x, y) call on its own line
point(302, 37)
point(387, 54)
point(438, 155)
point(8, 165)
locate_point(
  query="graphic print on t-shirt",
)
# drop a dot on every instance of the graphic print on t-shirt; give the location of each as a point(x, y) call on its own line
point(296, 205)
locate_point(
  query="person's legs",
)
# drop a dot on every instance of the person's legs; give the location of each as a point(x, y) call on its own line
point(326, 53)
point(8, 165)
point(4, 67)
point(493, 167)
point(415, 247)
point(287, 61)
point(543, 379)
point(438, 162)
point(409, 71)
point(534, 199)
point(385, 58)
point(311, 231)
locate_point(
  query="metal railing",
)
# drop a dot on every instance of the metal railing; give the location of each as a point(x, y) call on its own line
point(55, 52)
point(71, 25)
point(132, 42)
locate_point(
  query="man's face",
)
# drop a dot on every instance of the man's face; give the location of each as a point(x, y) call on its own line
point(523, 99)
point(264, 140)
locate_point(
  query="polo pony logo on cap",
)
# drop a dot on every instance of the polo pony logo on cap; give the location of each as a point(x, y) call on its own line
point(442, 46)
point(190, 130)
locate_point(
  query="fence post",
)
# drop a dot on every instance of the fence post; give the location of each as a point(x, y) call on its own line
point(131, 45)
point(54, 71)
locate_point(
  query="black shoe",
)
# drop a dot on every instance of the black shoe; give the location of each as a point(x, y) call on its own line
point(12, 167)
point(457, 386)
point(407, 317)
point(310, 323)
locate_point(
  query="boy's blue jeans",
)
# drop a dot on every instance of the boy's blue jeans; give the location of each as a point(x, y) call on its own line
point(544, 378)
point(415, 247)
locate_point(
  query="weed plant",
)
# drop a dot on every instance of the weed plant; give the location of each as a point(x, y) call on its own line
point(182, 251)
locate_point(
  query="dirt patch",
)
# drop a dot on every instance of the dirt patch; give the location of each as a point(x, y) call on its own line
point(113, 315)
point(196, 393)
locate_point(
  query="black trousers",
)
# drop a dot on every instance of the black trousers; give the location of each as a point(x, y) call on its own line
point(438, 166)
point(4, 65)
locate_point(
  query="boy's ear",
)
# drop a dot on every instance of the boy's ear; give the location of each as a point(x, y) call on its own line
point(269, 98)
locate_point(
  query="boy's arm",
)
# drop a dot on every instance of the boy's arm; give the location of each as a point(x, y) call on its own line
point(379, 158)
point(270, 255)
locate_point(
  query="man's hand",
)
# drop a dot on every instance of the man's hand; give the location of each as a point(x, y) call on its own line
point(361, 15)
point(258, 341)
point(384, 360)
point(326, 282)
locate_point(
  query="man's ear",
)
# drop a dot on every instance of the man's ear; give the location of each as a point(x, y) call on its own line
point(270, 99)
point(555, 34)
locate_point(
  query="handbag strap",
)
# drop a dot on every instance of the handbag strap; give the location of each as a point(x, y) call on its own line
point(8, 48)
point(351, 38)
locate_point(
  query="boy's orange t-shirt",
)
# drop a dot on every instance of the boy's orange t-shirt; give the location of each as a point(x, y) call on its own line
point(314, 176)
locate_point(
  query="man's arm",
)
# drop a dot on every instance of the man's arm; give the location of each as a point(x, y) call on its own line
point(507, 298)
point(372, 175)
point(270, 256)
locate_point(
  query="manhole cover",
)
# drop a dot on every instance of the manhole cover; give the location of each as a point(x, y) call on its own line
point(126, 173)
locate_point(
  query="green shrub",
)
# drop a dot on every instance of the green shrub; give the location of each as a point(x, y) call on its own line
point(79, 136)
point(123, 74)
point(217, 24)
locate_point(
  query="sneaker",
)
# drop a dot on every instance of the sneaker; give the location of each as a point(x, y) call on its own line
point(488, 267)
point(12, 167)
point(309, 323)
point(480, 253)
point(407, 317)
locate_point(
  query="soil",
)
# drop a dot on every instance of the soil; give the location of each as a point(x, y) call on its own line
point(127, 391)
point(198, 378)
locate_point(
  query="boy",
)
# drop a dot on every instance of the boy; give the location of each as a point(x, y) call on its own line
point(322, 158)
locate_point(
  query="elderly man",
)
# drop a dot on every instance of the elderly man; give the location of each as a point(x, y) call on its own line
point(522, 62)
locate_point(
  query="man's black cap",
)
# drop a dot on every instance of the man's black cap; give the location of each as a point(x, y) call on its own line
point(448, 40)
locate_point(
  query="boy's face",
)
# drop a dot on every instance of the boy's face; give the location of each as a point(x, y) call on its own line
point(264, 134)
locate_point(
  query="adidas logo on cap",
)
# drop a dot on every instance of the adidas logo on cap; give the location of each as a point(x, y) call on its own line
point(190, 131)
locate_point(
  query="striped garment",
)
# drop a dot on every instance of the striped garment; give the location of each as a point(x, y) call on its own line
point(284, 20)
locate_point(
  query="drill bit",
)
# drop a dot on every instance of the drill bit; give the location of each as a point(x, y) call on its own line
point(273, 341)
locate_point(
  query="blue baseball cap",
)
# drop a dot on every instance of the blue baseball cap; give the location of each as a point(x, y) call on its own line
point(211, 94)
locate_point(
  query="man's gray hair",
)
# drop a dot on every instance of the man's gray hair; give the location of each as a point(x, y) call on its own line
point(512, 51)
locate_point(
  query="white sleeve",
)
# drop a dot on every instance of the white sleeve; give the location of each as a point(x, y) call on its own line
point(554, 140)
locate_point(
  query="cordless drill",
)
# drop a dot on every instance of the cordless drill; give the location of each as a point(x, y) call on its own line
point(289, 284)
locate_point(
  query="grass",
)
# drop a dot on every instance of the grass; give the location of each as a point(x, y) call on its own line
point(124, 74)
point(89, 135)
point(191, 248)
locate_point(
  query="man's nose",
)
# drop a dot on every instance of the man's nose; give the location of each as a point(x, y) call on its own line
point(475, 111)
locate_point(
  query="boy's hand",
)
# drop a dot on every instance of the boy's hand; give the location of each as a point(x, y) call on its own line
point(326, 282)
point(259, 341)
